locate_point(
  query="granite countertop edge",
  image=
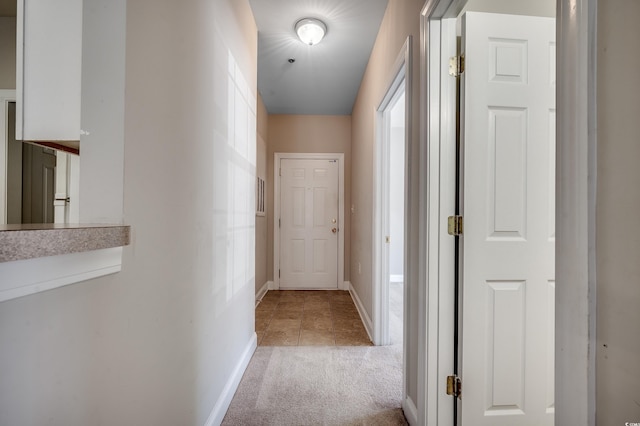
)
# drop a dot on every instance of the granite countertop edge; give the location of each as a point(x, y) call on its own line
point(29, 241)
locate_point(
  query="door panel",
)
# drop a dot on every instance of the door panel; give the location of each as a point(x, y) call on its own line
point(508, 93)
point(14, 170)
point(507, 182)
point(38, 184)
point(308, 215)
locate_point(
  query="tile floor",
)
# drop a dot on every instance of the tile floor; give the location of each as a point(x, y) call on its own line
point(309, 318)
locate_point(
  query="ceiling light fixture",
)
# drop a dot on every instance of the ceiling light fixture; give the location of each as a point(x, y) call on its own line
point(310, 30)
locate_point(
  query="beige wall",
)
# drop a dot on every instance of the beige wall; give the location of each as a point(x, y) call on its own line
point(401, 19)
point(618, 204)
point(7, 53)
point(310, 134)
point(262, 249)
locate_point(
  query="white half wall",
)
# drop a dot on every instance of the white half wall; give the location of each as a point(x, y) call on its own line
point(163, 341)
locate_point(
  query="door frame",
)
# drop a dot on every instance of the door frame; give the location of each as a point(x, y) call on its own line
point(400, 73)
point(6, 96)
point(575, 212)
point(277, 157)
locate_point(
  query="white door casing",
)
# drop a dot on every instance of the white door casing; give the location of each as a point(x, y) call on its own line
point(399, 85)
point(508, 284)
point(309, 223)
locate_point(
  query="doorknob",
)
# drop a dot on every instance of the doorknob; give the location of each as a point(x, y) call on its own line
point(334, 230)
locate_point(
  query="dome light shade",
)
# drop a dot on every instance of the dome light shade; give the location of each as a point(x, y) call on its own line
point(310, 30)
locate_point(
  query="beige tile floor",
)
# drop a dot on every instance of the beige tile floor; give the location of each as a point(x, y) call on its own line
point(309, 318)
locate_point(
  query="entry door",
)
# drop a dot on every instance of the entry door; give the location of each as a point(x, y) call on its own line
point(309, 224)
point(508, 89)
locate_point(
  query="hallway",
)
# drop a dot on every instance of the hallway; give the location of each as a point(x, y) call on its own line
point(321, 383)
point(309, 318)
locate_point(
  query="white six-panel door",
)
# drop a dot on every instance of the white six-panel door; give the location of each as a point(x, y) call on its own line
point(309, 224)
point(508, 283)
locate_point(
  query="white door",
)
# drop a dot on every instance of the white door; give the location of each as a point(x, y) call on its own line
point(508, 88)
point(309, 224)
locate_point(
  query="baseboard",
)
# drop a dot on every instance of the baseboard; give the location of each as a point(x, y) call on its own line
point(261, 292)
point(272, 285)
point(346, 285)
point(410, 411)
point(366, 320)
point(396, 278)
point(223, 402)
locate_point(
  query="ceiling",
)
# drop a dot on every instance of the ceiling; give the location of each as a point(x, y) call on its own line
point(325, 78)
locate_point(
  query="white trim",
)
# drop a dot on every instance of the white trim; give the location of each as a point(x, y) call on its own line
point(261, 292)
point(438, 103)
point(410, 411)
point(366, 320)
point(445, 245)
point(423, 363)
point(400, 74)
point(24, 277)
point(276, 207)
point(20, 19)
point(576, 169)
point(224, 400)
point(346, 285)
point(6, 96)
point(271, 285)
point(575, 215)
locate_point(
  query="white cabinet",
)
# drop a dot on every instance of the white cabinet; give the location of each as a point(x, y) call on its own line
point(48, 70)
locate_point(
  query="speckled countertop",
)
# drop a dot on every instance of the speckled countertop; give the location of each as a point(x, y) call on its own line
point(29, 241)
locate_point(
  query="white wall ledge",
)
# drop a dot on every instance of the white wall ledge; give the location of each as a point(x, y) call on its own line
point(41, 257)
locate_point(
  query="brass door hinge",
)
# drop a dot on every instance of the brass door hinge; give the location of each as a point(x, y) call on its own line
point(455, 225)
point(454, 386)
point(456, 66)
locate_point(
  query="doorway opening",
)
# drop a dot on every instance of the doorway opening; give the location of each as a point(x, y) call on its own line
point(37, 184)
point(391, 199)
point(490, 152)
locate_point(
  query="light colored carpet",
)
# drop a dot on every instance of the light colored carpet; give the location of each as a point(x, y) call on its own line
point(320, 386)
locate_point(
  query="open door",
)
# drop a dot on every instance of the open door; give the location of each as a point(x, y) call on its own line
point(506, 339)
